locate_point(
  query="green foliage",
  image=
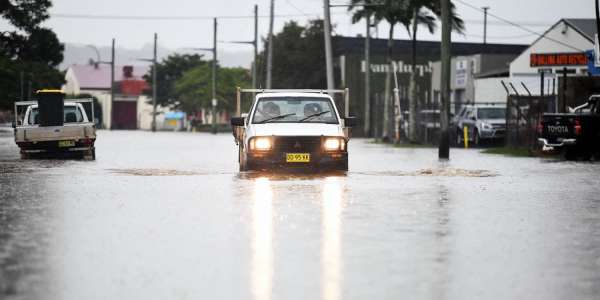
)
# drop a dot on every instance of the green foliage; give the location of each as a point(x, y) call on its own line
point(194, 87)
point(298, 57)
point(170, 70)
point(29, 49)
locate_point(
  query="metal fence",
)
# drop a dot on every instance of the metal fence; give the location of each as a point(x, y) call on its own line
point(523, 114)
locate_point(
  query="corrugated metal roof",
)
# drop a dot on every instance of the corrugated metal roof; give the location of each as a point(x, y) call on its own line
point(92, 77)
point(586, 27)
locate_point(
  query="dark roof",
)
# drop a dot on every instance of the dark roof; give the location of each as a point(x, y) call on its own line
point(355, 45)
point(586, 27)
point(504, 72)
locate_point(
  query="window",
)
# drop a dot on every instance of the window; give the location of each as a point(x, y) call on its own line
point(491, 113)
point(294, 110)
point(72, 114)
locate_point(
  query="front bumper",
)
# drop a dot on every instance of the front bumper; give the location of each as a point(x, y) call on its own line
point(549, 146)
point(492, 134)
point(278, 159)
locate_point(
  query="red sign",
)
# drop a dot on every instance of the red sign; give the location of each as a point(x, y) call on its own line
point(558, 59)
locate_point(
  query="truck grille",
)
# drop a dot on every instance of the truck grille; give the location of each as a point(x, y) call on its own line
point(305, 144)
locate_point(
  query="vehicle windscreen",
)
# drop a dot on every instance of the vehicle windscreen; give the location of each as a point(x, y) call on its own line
point(294, 110)
point(491, 113)
point(72, 114)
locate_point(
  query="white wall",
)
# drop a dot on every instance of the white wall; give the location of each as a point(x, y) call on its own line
point(490, 90)
point(520, 70)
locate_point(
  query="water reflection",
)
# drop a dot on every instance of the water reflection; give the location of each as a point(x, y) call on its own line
point(262, 240)
point(331, 243)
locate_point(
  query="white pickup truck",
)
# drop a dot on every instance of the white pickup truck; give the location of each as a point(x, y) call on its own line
point(289, 129)
point(76, 135)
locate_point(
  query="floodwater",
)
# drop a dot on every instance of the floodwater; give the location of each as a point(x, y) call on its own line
point(167, 216)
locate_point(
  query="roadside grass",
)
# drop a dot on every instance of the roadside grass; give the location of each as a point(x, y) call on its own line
point(401, 145)
point(509, 151)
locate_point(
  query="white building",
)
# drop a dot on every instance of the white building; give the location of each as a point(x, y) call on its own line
point(568, 38)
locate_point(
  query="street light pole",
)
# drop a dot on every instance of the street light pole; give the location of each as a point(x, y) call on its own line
point(270, 47)
point(444, 142)
point(328, 51)
point(367, 123)
point(255, 44)
point(214, 78)
point(154, 86)
point(112, 82)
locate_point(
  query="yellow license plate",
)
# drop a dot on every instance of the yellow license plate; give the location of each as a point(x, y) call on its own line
point(297, 157)
point(66, 143)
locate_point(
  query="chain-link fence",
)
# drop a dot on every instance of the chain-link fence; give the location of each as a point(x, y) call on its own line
point(523, 114)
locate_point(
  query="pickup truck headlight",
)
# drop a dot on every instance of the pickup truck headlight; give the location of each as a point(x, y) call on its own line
point(334, 144)
point(486, 126)
point(261, 144)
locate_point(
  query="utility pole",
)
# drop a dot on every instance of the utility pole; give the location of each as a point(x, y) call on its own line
point(328, 52)
point(444, 142)
point(214, 78)
point(270, 48)
point(112, 81)
point(485, 13)
point(154, 85)
point(22, 84)
point(367, 123)
point(255, 44)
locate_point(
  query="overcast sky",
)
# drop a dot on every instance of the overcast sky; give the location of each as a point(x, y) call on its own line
point(537, 15)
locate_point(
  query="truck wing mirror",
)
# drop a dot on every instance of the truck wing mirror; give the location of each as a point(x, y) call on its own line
point(350, 121)
point(238, 121)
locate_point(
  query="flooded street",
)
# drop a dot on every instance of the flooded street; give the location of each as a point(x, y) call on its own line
point(168, 216)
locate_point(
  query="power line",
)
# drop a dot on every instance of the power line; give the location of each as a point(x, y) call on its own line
point(520, 26)
point(172, 18)
point(299, 10)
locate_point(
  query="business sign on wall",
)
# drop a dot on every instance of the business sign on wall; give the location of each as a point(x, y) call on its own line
point(558, 59)
point(461, 74)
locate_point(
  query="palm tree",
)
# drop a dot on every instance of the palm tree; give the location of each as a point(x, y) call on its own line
point(421, 15)
point(394, 12)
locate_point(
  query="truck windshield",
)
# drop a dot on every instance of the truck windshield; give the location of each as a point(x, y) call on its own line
point(294, 110)
point(491, 113)
point(72, 114)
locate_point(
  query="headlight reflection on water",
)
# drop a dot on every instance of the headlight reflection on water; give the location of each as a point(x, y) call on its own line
point(262, 240)
point(331, 239)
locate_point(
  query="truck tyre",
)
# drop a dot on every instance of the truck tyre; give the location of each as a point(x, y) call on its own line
point(242, 159)
point(89, 154)
point(343, 165)
point(571, 153)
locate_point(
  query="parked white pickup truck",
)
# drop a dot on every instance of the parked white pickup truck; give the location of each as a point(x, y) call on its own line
point(76, 134)
point(289, 129)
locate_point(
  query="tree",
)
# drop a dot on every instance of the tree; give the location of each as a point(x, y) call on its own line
point(422, 15)
point(298, 56)
point(169, 71)
point(194, 88)
point(394, 12)
point(28, 51)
